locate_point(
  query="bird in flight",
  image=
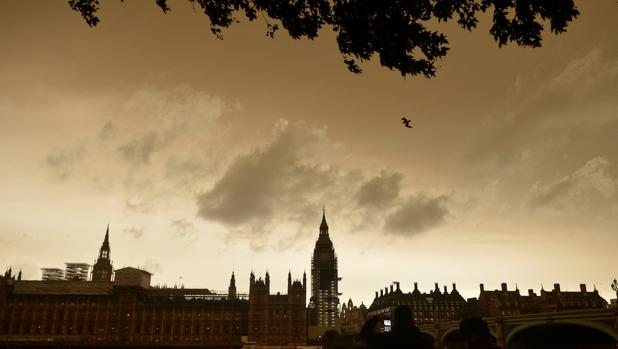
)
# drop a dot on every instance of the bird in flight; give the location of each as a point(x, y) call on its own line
point(406, 122)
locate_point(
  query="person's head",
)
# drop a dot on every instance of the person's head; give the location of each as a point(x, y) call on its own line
point(403, 317)
point(474, 330)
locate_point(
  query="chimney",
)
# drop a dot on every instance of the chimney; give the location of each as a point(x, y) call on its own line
point(454, 287)
point(482, 287)
point(376, 294)
point(385, 290)
point(437, 288)
point(416, 285)
point(557, 287)
point(503, 285)
point(582, 288)
point(397, 286)
point(391, 289)
point(445, 291)
point(530, 292)
point(381, 293)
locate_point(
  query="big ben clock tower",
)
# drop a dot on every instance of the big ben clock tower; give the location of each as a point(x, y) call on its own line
point(324, 281)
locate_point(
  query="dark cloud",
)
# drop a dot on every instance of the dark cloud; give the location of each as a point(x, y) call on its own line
point(182, 228)
point(380, 191)
point(139, 151)
point(280, 184)
point(417, 214)
point(270, 179)
point(135, 232)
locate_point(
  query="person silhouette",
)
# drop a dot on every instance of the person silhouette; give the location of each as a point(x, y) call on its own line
point(475, 334)
point(404, 334)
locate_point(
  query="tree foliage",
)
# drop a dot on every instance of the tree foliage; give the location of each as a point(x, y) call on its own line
point(397, 31)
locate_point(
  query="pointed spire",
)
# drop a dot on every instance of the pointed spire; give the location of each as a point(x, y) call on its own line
point(231, 291)
point(324, 225)
point(289, 279)
point(19, 275)
point(104, 252)
point(304, 279)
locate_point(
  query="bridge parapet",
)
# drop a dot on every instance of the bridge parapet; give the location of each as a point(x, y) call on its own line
point(503, 328)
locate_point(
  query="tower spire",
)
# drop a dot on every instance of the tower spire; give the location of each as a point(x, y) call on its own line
point(231, 293)
point(324, 225)
point(106, 240)
point(104, 253)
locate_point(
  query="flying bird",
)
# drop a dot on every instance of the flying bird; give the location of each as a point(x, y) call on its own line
point(406, 122)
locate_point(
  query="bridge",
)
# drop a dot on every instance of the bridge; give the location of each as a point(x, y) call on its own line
point(519, 331)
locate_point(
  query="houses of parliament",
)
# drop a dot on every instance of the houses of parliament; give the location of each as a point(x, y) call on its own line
point(120, 307)
point(111, 308)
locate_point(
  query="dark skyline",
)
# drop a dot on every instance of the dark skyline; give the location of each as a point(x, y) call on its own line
point(200, 153)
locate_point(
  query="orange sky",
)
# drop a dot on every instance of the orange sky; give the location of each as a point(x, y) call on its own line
point(209, 156)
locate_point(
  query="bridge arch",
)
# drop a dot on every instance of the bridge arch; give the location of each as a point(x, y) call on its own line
point(449, 332)
point(586, 324)
point(454, 331)
point(428, 336)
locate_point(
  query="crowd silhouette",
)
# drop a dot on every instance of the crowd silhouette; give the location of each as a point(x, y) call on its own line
point(404, 334)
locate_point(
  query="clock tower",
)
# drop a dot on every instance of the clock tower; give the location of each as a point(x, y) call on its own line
point(324, 300)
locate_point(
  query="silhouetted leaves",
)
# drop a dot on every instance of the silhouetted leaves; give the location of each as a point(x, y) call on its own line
point(88, 10)
point(395, 30)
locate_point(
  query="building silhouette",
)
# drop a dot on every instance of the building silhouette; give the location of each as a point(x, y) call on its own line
point(106, 313)
point(277, 319)
point(352, 317)
point(121, 308)
point(504, 302)
point(432, 307)
point(324, 301)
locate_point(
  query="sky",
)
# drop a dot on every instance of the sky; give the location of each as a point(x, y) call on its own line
point(209, 156)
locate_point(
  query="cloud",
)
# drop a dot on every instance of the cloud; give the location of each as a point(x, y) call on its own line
point(269, 179)
point(160, 144)
point(182, 228)
point(582, 188)
point(585, 74)
point(272, 195)
point(380, 191)
point(63, 162)
point(138, 205)
point(135, 232)
point(107, 131)
point(138, 151)
point(548, 109)
point(417, 214)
